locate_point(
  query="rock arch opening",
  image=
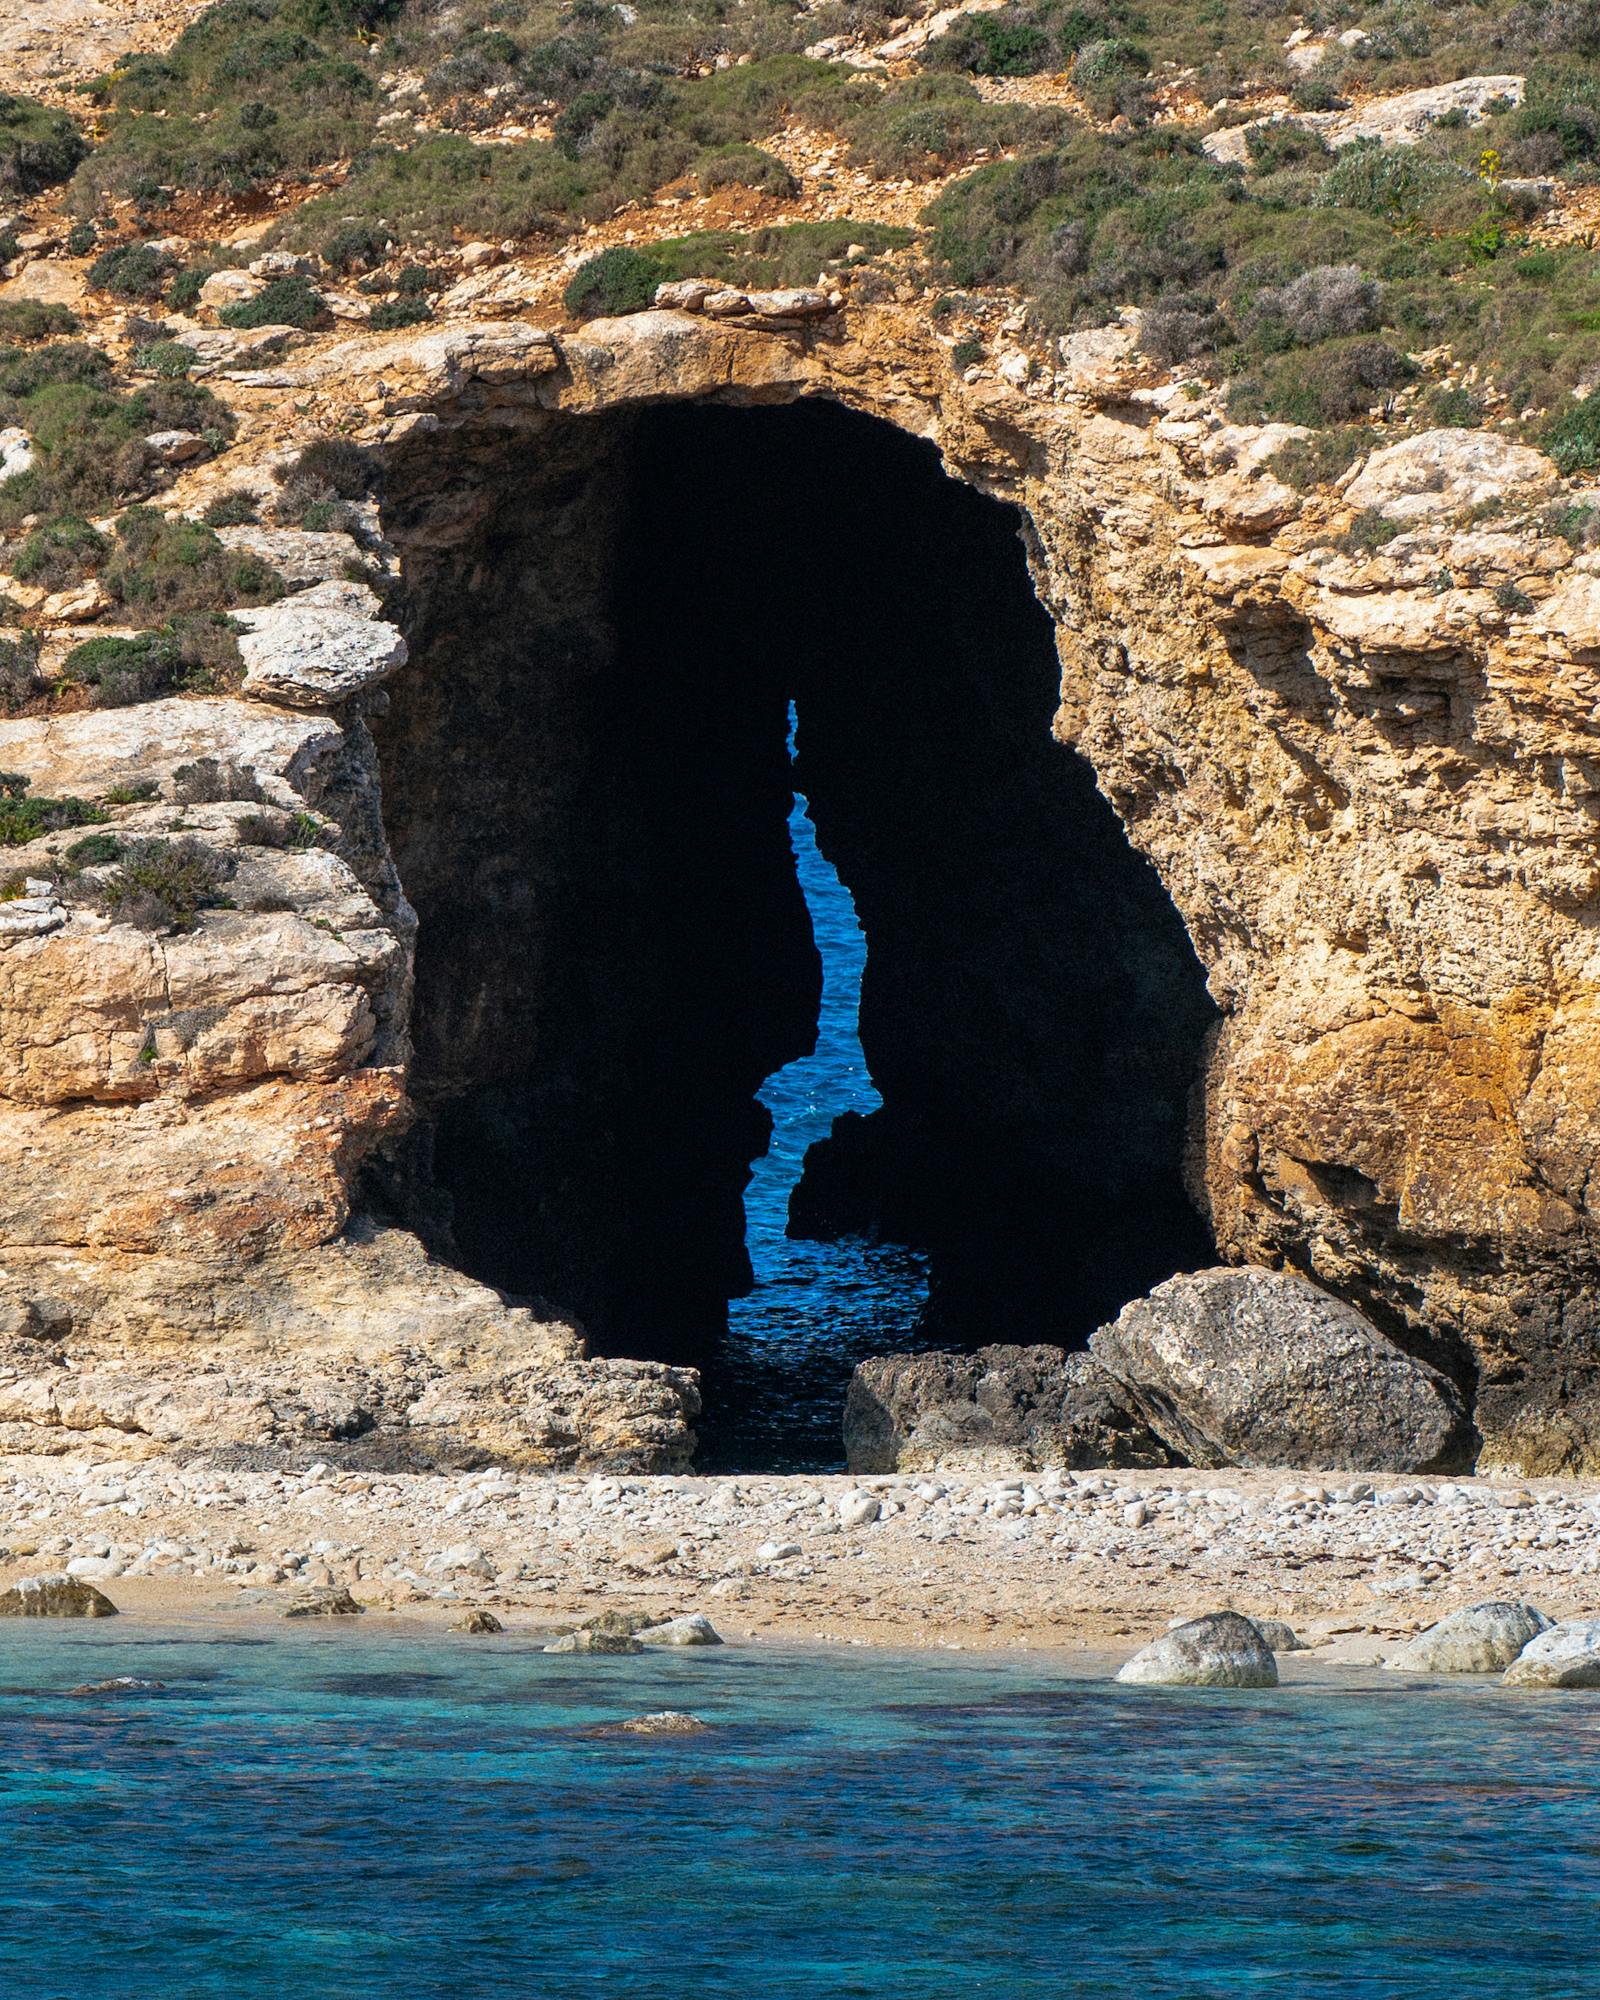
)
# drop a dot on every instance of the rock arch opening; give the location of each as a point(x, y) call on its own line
point(587, 785)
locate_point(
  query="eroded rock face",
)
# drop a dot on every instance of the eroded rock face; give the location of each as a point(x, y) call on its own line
point(1262, 1368)
point(1369, 792)
point(1001, 1409)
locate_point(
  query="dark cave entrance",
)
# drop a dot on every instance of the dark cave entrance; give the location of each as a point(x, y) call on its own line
point(587, 788)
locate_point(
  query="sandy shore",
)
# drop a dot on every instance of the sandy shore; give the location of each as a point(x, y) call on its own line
point(1058, 1560)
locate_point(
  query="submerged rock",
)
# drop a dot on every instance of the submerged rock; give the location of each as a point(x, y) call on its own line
point(118, 1684)
point(695, 1629)
point(55, 1597)
point(592, 1641)
point(323, 1601)
point(1481, 1639)
point(661, 1722)
point(1564, 1656)
point(477, 1620)
point(1222, 1649)
point(1249, 1367)
point(1001, 1409)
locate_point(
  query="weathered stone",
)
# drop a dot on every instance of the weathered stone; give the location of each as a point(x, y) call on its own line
point(230, 288)
point(1001, 1409)
point(16, 452)
point(1480, 1639)
point(323, 1601)
point(1245, 1367)
point(319, 647)
point(693, 1629)
point(1282, 1638)
point(477, 1621)
point(1219, 1650)
point(661, 1722)
point(590, 1641)
point(299, 556)
point(1563, 1656)
point(55, 1597)
point(1447, 473)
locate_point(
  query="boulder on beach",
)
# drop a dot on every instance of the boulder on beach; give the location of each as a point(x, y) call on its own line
point(1280, 1637)
point(694, 1629)
point(1480, 1639)
point(322, 1600)
point(1222, 1649)
point(55, 1597)
point(1261, 1368)
point(477, 1620)
point(1002, 1409)
point(1562, 1656)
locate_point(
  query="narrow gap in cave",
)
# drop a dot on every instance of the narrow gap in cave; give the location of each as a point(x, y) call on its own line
point(589, 789)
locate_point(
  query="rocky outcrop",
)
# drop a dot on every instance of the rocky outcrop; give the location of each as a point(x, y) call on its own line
point(1001, 1409)
point(1563, 1656)
point(55, 1597)
point(1367, 782)
point(1221, 1650)
point(1262, 1368)
point(1480, 1639)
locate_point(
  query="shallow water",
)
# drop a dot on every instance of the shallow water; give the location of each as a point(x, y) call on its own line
point(817, 1308)
point(343, 1815)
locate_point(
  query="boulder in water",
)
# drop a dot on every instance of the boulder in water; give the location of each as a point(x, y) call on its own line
point(1563, 1656)
point(1222, 1649)
point(118, 1684)
point(592, 1640)
point(663, 1722)
point(1481, 1639)
point(694, 1629)
point(55, 1597)
point(1249, 1367)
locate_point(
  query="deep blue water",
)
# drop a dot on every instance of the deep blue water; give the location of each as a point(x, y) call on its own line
point(346, 1815)
point(817, 1308)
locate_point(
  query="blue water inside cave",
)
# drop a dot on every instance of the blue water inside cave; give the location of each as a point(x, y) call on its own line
point(385, 1814)
point(816, 1309)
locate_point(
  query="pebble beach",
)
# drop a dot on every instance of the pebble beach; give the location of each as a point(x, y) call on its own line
point(1055, 1560)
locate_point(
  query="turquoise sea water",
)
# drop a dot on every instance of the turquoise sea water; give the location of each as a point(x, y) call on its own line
point(347, 1814)
point(817, 1308)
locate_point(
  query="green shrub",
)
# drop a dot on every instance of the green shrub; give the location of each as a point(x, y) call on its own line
point(131, 271)
point(58, 553)
point(1006, 43)
point(23, 818)
point(163, 885)
point(1573, 439)
point(193, 655)
point(81, 239)
point(95, 850)
point(183, 294)
point(1368, 532)
point(38, 147)
point(618, 280)
point(741, 165)
point(208, 782)
point(1282, 144)
point(167, 567)
point(32, 319)
point(355, 246)
point(231, 510)
point(396, 313)
point(290, 301)
point(19, 660)
point(169, 358)
point(966, 353)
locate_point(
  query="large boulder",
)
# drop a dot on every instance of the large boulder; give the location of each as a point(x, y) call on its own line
point(1564, 1656)
point(1481, 1639)
point(1010, 1409)
point(55, 1597)
point(1248, 1367)
point(1222, 1649)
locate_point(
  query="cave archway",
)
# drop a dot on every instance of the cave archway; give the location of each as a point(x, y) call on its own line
point(587, 783)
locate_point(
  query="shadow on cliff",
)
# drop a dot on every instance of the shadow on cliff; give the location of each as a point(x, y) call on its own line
point(587, 784)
